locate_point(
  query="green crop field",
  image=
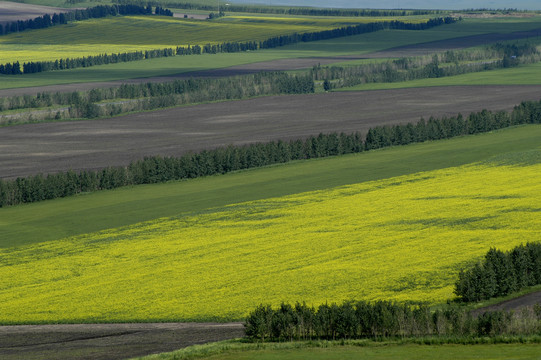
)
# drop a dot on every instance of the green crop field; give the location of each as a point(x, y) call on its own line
point(362, 350)
point(355, 241)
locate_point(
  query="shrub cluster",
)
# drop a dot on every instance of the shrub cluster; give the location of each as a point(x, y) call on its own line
point(360, 319)
point(501, 273)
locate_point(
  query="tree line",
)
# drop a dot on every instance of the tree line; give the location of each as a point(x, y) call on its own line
point(223, 160)
point(383, 319)
point(100, 11)
point(286, 10)
point(151, 96)
point(228, 47)
point(501, 273)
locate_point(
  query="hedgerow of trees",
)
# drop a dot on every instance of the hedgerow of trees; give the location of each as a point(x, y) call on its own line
point(383, 319)
point(501, 273)
point(222, 160)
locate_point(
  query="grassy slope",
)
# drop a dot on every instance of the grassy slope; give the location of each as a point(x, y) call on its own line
point(349, 45)
point(88, 213)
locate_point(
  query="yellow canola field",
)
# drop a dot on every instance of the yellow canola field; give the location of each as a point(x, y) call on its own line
point(400, 239)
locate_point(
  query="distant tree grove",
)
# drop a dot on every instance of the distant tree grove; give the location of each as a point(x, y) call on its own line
point(226, 159)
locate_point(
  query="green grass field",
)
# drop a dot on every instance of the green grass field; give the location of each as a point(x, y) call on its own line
point(370, 352)
point(55, 219)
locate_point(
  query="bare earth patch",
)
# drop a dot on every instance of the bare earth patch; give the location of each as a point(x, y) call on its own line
point(108, 341)
point(94, 144)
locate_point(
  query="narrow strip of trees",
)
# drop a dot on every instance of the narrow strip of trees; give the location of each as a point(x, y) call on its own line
point(222, 160)
point(501, 273)
point(383, 319)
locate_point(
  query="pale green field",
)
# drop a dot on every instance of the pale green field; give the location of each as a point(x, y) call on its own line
point(401, 239)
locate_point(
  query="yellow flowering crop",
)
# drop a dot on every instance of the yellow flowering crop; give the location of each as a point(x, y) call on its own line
point(403, 238)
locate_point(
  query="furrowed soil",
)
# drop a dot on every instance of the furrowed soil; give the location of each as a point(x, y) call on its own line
point(59, 146)
point(108, 341)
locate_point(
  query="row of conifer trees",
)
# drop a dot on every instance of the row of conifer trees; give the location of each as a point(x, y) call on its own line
point(501, 273)
point(231, 158)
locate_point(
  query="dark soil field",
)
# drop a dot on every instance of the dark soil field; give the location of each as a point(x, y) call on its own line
point(93, 144)
point(10, 11)
point(107, 341)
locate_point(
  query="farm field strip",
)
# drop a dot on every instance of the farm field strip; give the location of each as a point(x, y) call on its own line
point(361, 44)
point(373, 240)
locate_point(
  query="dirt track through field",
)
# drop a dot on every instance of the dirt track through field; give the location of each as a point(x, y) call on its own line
point(107, 341)
point(290, 64)
point(93, 144)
